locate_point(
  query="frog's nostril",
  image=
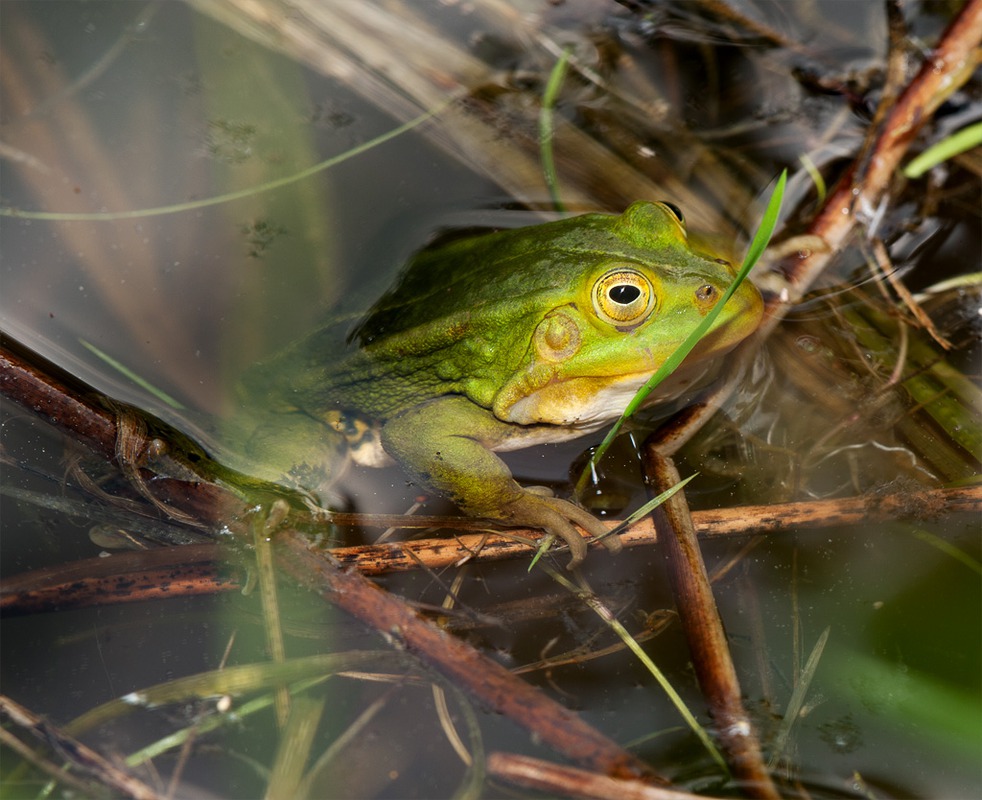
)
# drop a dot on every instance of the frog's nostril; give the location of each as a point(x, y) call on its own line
point(706, 292)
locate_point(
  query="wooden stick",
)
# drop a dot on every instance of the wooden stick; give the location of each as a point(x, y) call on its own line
point(195, 569)
point(857, 196)
point(557, 779)
point(703, 629)
point(122, 578)
point(438, 553)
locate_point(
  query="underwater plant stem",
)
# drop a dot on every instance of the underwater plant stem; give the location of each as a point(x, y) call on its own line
point(229, 197)
point(704, 632)
point(272, 624)
point(555, 83)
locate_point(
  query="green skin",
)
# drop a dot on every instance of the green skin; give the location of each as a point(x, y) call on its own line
point(499, 342)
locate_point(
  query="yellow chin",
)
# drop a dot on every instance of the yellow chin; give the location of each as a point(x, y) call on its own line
point(585, 404)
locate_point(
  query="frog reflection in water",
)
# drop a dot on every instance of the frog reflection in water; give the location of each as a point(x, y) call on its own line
point(495, 343)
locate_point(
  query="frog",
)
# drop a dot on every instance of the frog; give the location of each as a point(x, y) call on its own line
point(498, 342)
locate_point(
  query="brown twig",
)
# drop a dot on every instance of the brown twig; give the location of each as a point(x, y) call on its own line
point(57, 772)
point(438, 553)
point(125, 577)
point(77, 753)
point(494, 685)
point(885, 269)
point(194, 569)
point(70, 410)
point(704, 632)
point(556, 779)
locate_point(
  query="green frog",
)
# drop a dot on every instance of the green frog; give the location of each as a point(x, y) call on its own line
point(495, 343)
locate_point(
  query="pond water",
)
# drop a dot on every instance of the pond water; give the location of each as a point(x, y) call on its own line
point(122, 122)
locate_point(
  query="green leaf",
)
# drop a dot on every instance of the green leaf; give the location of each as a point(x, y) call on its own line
point(651, 505)
point(556, 78)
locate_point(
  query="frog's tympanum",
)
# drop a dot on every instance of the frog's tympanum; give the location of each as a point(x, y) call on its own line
point(495, 343)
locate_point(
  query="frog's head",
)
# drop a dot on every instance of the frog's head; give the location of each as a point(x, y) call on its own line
point(634, 289)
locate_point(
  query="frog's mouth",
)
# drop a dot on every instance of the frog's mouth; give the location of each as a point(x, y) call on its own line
point(584, 404)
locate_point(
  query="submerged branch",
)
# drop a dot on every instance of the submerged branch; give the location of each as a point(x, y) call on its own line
point(569, 781)
point(490, 682)
point(704, 633)
point(857, 197)
point(439, 553)
point(202, 568)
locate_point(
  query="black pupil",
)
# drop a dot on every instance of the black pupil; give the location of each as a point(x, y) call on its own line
point(675, 210)
point(624, 294)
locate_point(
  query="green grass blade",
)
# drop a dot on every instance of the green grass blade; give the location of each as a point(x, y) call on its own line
point(293, 751)
point(546, 542)
point(820, 188)
point(632, 644)
point(651, 505)
point(546, 129)
point(233, 681)
point(241, 712)
point(797, 701)
point(143, 383)
point(948, 549)
point(959, 142)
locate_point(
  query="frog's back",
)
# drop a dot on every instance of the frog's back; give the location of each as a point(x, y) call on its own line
point(454, 280)
point(439, 295)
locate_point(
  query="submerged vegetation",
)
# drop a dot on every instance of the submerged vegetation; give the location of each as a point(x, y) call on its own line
point(162, 234)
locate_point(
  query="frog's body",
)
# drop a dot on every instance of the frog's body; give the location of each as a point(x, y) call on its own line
point(501, 342)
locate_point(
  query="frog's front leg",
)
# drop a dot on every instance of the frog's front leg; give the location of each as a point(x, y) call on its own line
point(445, 444)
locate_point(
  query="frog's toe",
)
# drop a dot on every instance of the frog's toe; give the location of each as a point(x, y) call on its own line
point(591, 525)
point(556, 516)
point(577, 544)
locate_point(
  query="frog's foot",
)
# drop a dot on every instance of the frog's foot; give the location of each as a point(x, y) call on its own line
point(555, 516)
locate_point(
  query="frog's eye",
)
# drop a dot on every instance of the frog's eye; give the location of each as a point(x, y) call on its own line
point(623, 297)
point(675, 211)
